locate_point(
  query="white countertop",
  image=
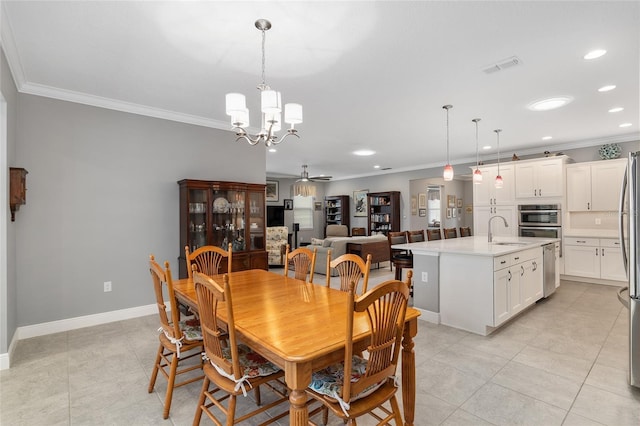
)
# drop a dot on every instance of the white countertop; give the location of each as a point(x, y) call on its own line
point(476, 245)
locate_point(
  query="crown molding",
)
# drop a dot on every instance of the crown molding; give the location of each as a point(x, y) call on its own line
point(129, 107)
point(9, 46)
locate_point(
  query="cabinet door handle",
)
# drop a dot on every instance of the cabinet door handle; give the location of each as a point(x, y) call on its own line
point(540, 192)
point(535, 192)
point(580, 241)
point(521, 270)
point(535, 265)
point(517, 258)
point(588, 206)
point(602, 252)
point(596, 252)
point(509, 279)
point(503, 262)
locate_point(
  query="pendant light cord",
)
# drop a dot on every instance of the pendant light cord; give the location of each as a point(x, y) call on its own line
point(264, 36)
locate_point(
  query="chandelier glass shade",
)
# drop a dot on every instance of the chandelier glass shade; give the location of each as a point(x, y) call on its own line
point(271, 108)
point(448, 170)
point(477, 174)
point(498, 182)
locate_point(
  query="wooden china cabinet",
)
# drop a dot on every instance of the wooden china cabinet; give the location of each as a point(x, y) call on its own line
point(218, 213)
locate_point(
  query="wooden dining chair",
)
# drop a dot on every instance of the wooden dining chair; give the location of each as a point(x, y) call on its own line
point(400, 259)
point(358, 386)
point(351, 268)
point(450, 233)
point(434, 234)
point(303, 260)
point(415, 236)
point(179, 340)
point(230, 370)
point(208, 260)
point(465, 231)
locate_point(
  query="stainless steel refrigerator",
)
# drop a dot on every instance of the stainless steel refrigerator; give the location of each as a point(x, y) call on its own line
point(629, 239)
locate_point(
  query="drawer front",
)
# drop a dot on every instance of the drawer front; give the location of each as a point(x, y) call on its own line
point(573, 241)
point(524, 255)
point(609, 242)
point(501, 262)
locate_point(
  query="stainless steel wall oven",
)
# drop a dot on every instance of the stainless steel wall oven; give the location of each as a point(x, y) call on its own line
point(540, 220)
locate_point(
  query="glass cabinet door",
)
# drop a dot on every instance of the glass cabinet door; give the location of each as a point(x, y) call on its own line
point(227, 223)
point(198, 207)
point(256, 219)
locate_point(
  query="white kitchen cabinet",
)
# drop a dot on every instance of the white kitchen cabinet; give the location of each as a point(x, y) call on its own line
point(594, 186)
point(611, 263)
point(517, 282)
point(539, 178)
point(594, 258)
point(486, 194)
point(481, 217)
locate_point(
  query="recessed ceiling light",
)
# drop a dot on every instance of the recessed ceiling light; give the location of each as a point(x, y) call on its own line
point(546, 138)
point(486, 147)
point(625, 125)
point(616, 109)
point(377, 166)
point(607, 88)
point(595, 54)
point(273, 150)
point(364, 152)
point(549, 104)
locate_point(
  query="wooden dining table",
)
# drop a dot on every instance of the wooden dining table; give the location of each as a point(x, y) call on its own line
point(301, 328)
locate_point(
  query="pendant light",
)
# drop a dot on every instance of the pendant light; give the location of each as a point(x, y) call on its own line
point(448, 170)
point(477, 174)
point(498, 183)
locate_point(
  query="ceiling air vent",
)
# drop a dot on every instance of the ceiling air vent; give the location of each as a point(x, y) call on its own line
point(501, 65)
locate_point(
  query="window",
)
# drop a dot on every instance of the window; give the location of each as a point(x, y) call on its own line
point(303, 211)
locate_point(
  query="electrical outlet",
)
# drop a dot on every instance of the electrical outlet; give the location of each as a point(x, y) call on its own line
point(107, 286)
point(425, 277)
point(598, 221)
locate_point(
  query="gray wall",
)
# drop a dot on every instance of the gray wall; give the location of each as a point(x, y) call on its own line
point(8, 304)
point(102, 196)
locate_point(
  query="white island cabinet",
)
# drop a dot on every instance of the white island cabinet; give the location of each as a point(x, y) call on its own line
point(480, 285)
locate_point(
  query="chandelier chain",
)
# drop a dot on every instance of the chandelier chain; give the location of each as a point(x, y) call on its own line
point(264, 36)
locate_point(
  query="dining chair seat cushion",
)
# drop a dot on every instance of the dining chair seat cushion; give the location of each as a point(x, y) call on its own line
point(328, 381)
point(252, 363)
point(191, 329)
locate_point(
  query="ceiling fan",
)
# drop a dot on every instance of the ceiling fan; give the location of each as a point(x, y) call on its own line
point(304, 176)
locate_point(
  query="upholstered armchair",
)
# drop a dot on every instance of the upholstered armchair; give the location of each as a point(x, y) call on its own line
point(277, 238)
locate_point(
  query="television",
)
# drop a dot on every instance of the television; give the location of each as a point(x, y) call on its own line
point(275, 215)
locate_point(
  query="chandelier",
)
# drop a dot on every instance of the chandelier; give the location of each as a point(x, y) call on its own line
point(477, 174)
point(448, 170)
point(271, 106)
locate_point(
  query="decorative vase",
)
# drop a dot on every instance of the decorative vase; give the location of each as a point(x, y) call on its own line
point(609, 151)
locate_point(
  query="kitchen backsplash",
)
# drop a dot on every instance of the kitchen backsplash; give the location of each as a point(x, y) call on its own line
point(587, 220)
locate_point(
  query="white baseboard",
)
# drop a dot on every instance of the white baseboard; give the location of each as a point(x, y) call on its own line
point(433, 317)
point(68, 324)
point(593, 280)
point(36, 330)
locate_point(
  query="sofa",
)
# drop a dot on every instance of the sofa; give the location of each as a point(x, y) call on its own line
point(337, 240)
point(277, 238)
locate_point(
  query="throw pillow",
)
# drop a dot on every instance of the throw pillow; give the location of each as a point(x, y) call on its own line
point(327, 243)
point(316, 241)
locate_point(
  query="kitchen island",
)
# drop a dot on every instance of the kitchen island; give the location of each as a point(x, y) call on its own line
point(474, 285)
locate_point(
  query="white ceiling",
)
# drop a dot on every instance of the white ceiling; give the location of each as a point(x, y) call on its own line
point(369, 74)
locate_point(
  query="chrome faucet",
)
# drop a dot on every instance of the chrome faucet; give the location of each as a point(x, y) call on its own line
point(489, 225)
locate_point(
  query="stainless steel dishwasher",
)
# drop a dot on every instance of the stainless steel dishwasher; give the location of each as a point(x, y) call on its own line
point(549, 265)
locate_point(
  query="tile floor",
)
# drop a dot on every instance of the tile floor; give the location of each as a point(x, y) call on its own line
point(563, 362)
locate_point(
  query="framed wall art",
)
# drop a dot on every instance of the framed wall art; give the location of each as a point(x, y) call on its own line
point(414, 205)
point(451, 200)
point(423, 212)
point(272, 190)
point(422, 201)
point(360, 202)
point(459, 203)
point(288, 204)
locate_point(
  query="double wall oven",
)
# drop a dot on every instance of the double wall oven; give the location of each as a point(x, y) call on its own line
point(540, 220)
